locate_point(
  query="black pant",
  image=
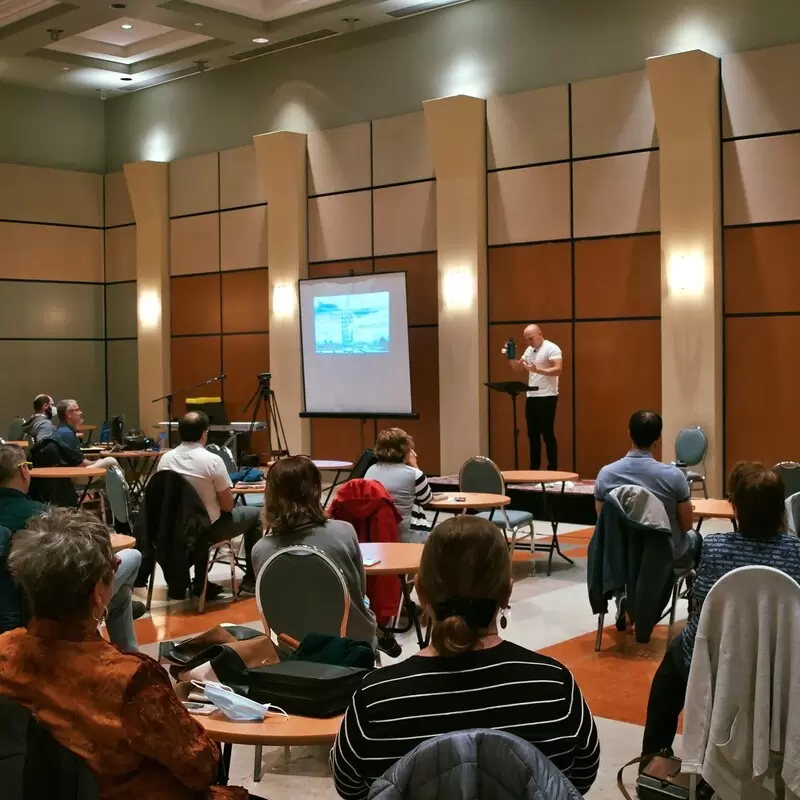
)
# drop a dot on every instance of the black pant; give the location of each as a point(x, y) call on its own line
point(540, 414)
point(227, 528)
point(667, 696)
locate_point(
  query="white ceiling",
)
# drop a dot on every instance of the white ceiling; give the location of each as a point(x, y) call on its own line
point(80, 45)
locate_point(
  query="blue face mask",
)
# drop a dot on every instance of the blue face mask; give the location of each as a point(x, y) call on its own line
point(234, 706)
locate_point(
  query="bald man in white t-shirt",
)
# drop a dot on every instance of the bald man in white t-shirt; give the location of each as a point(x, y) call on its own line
point(543, 362)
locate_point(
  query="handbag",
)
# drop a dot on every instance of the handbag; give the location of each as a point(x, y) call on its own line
point(191, 652)
point(662, 779)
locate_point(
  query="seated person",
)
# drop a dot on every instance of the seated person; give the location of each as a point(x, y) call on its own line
point(757, 496)
point(18, 510)
point(207, 473)
point(640, 468)
point(66, 434)
point(293, 515)
point(40, 425)
point(115, 710)
point(398, 473)
point(468, 677)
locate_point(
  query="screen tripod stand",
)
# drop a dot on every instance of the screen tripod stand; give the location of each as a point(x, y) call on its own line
point(264, 397)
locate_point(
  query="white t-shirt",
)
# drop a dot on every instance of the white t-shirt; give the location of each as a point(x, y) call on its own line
point(542, 356)
point(204, 470)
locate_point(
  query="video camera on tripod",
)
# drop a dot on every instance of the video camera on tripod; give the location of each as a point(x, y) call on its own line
point(265, 396)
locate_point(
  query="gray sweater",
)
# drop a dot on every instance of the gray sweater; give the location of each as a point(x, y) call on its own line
point(338, 541)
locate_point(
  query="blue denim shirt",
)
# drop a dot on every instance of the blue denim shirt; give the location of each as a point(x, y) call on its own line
point(70, 444)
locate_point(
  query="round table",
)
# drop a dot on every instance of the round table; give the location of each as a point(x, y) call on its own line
point(477, 501)
point(88, 429)
point(712, 509)
point(275, 731)
point(23, 444)
point(544, 477)
point(121, 541)
point(256, 488)
point(79, 473)
point(138, 466)
point(403, 558)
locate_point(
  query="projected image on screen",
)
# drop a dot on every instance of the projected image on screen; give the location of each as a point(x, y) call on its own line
point(352, 323)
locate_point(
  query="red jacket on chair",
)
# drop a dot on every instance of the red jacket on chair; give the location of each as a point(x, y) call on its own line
point(369, 508)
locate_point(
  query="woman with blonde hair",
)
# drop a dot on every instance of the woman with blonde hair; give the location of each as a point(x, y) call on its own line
point(293, 515)
point(468, 677)
point(398, 472)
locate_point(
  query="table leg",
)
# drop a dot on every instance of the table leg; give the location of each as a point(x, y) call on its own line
point(411, 609)
point(85, 491)
point(144, 476)
point(332, 487)
point(700, 524)
point(549, 509)
point(225, 764)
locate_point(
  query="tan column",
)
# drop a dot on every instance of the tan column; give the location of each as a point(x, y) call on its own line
point(281, 160)
point(685, 91)
point(148, 187)
point(456, 129)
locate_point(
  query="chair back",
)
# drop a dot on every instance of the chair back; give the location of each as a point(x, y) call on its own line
point(792, 507)
point(299, 590)
point(119, 495)
point(458, 765)
point(225, 454)
point(56, 491)
point(481, 474)
point(790, 472)
point(691, 445)
point(16, 432)
point(33, 764)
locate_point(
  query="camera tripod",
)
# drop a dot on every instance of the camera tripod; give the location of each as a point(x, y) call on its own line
point(265, 396)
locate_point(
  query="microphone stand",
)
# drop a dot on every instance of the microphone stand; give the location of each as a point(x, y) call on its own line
point(168, 397)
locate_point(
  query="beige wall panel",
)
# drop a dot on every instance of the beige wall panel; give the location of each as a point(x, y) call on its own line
point(761, 179)
point(48, 252)
point(123, 381)
point(194, 184)
point(339, 227)
point(194, 244)
point(244, 238)
point(528, 127)
point(338, 159)
point(239, 184)
point(405, 219)
point(616, 195)
point(760, 91)
point(529, 205)
point(612, 115)
point(35, 194)
point(400, 150)
point(117, 200)
point(121, 254)
point(121, 312)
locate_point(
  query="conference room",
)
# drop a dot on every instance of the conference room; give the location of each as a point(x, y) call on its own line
point(459, 244)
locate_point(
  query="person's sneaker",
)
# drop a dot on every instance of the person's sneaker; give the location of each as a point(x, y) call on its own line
point(247, 587)
point(388, 644)
point(213, 591)
point(138, 608)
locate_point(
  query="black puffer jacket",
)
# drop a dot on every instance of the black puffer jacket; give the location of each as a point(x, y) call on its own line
point(474, 765)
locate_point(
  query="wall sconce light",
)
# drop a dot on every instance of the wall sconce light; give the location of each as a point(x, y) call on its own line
point(284, 300)
point(686, 275)
point(149, 309)
point(458, 288)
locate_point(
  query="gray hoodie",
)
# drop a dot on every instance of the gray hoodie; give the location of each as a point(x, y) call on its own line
point(39, 427)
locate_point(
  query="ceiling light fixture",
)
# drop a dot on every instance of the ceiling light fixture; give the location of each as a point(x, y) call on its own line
point(126, 79)
point(66, 69)
point(126, 27)
point(198, 24)
point(260, 40)
point(117, 5)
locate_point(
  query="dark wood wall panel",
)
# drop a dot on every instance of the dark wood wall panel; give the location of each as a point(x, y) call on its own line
point(500, 410)
point(195, 304)
point(423, 344)
point(336, 269)
point(195, 359)
point(618, 277)
point(340, 439)
point(761, 270)
point(617, 372)
point(762, 423)
point(530, 282)
point(245, 301)
point(422, 285)
point(243, 357)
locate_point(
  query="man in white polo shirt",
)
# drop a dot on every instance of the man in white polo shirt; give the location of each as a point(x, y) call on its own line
point(543, 362)
point(206, 472)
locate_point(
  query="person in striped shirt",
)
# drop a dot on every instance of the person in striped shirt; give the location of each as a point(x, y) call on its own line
point(397, 471)
point(468, 677)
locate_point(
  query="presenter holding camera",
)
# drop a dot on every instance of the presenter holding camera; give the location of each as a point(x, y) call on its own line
point(543, 362)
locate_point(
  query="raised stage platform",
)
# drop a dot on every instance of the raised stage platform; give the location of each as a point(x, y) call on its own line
point(576, 505)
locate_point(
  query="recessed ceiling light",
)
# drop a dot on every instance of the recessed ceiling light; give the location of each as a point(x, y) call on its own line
point(117, 5)
point(198, 24)
point(260, 40)
point(126, 79)
point(126, 27)
point(66, 69)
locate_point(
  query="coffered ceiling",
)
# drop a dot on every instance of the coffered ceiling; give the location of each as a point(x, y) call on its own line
point(95, 46)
